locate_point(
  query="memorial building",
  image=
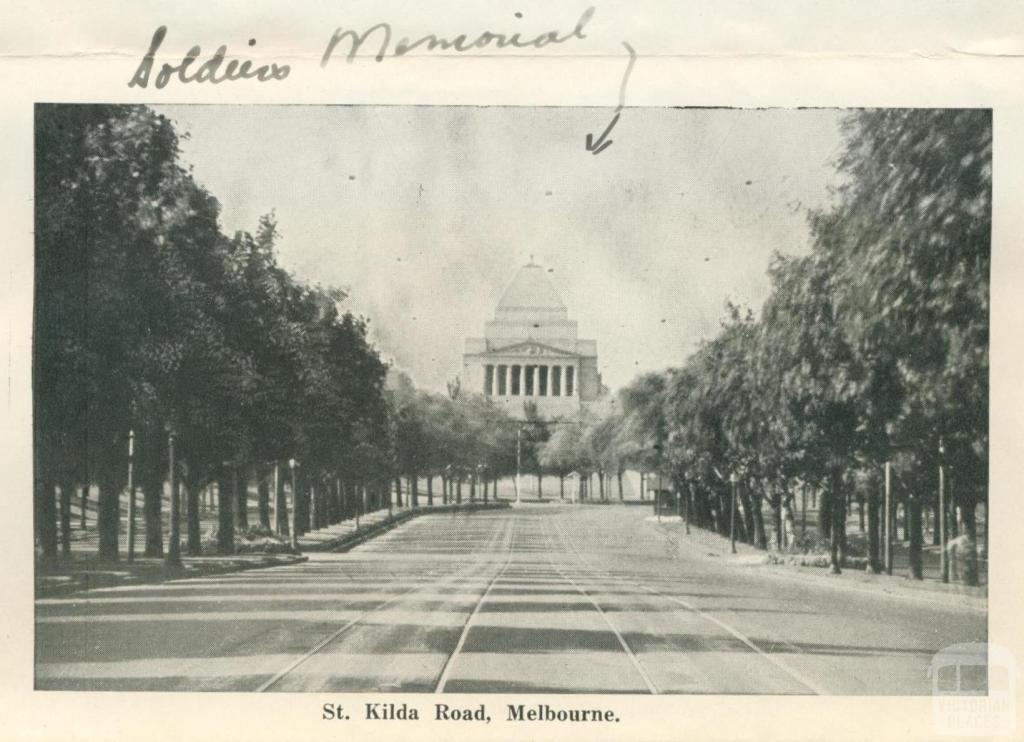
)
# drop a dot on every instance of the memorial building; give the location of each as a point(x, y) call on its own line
point(530, 352)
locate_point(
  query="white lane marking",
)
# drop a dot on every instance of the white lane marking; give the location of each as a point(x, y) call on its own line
point(651, 686)
point(799, 677)
point(450, 662)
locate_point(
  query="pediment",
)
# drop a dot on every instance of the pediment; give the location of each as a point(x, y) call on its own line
point(533, 348)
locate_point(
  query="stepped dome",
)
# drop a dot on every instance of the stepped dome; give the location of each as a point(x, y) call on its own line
point(530, 291)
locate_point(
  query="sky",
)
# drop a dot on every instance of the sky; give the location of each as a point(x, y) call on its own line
point(425, 213)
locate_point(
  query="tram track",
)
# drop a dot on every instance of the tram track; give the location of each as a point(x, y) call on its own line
point(633, 658)
point(812, 687)
point(449, 663)
point(347, 626)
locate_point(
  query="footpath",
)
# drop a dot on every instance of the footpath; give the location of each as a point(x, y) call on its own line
point(83, 572)
point(350, 533)
point(74, 575)
point(710, 545)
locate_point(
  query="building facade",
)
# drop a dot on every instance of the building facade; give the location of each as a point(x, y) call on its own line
point(530, 352)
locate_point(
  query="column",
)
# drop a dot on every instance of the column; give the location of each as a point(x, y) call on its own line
point(508, 381)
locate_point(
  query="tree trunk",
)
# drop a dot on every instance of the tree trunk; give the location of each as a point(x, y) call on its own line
point(281, 503)
point(600, 484)
point(226, 518)
point(335, 508)
point(458, 489)
point(263, 498)
point(173, 557)
point(430, 490)
point(65, 519)
point(240, 503)
point(398, 490)
point(46, 517)
point(688, 495)
point(152, 507)
point(300, 510)
point(914, 524)
point(825, 515)
point(414, 489)
point(803, 510)
point(860, 508)
point(300, 507)
point(952, 521)
point(780, 528)
point(619, 476)
point(874, 528)
point(760, 536)
point(971, 576)
point(835, 505)
point(748, 524)
point(83, 504)
point(195, 535)
point(789, 518)
point(109, 516)
point(561, 486)
point(540, 486)
point(723, 516)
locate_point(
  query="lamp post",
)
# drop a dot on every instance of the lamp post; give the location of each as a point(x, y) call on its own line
point(173, 557)
point(519, 456)
point(943, 557)
point(293, 541)
point(732, 512)
point(889, 517)
point(131, 496)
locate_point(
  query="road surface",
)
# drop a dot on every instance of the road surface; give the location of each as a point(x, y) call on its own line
point(544, 598)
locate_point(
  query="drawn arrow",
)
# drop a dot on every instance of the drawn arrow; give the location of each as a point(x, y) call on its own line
point(599, 145)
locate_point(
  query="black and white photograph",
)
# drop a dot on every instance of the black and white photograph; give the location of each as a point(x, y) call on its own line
point(385, 400)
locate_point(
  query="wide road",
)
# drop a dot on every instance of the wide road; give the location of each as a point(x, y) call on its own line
point(543, 598)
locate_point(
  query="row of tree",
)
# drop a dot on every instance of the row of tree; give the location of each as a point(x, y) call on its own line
point(152, 324)
point(868, 361)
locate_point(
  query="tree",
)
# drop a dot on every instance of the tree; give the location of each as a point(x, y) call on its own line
point(149, 319)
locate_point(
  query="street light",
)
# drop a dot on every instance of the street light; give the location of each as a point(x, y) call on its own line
point(173, 557)
point(293, 541)
point(943, 557)
point(131, 496)
point(732, 513)
point(519, 456)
